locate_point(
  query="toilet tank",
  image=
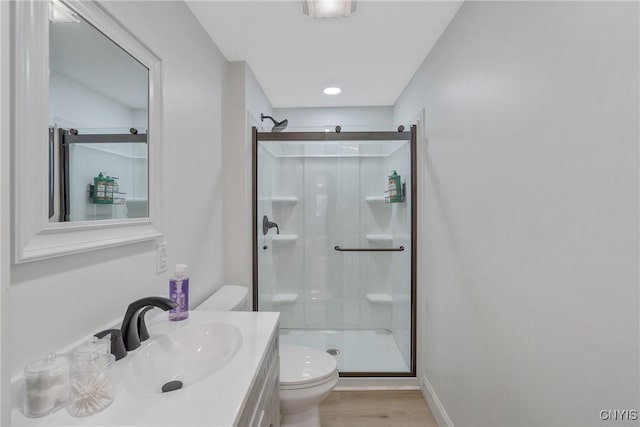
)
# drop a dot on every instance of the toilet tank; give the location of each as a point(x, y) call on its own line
point(227, 298)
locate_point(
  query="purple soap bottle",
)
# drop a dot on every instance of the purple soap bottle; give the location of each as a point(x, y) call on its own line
point(179, 293)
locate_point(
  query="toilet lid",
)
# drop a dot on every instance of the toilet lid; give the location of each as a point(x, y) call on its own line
point(303, 365)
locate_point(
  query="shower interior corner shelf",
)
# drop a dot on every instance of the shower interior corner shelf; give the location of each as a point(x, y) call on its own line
point(284, 298)
point(379, 238)
point(380, 298)
point(283, 239)
point(284, 201)
point(376, 200)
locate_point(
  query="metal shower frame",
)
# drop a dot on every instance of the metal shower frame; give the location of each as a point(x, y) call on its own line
point(66, 138)
point(345, 136)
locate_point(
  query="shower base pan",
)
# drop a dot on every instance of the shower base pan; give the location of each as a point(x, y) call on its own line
point(361, 350)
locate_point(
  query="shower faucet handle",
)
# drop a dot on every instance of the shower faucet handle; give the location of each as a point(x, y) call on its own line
point(266, 225)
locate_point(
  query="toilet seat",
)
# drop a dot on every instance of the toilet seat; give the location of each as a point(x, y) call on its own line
point(331, 378)
point(305, 367)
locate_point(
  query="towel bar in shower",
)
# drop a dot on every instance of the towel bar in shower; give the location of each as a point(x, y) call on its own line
point(338, 248)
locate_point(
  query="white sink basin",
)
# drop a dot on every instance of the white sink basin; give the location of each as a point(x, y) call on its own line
point(188, 355)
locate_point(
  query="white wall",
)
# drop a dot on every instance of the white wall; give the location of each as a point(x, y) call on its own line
point(74, 105)
point(56, 302)
point(140, 118)
point(531, 219)
point(5, 219)
point(244, 101)
point(255, 98)
point(321, 118)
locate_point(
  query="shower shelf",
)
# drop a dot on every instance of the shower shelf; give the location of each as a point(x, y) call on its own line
point(284, 298)
point(380, 298)
point(379, 238)
point(283, 239)
point(376, 200)
point(282, 201)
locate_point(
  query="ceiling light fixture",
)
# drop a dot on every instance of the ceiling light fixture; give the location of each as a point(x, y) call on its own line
point(328, 8)
point(332, 90)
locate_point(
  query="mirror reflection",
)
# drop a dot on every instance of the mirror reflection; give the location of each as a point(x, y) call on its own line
point(98, 115)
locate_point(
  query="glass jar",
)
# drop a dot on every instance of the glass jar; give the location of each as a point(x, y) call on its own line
point(92, 385)
point(46, 385)
point(91, 346)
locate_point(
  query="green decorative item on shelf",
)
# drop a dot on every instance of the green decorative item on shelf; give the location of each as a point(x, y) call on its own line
point(108, 192)
point(103, 189)
point(394, 189)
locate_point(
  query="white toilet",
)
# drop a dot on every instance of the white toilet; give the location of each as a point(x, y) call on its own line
point(307, 375)
point(227, 298)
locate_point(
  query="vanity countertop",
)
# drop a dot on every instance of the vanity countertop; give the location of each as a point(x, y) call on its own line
point(217, 400)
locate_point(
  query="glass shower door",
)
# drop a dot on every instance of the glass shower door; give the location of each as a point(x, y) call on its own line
point(333, 255)
point(297, 273)
point(374, 250)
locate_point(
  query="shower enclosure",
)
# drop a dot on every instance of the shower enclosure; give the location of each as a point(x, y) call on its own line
point(334, 244)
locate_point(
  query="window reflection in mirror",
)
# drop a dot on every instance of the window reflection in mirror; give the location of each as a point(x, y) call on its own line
point(98, 115)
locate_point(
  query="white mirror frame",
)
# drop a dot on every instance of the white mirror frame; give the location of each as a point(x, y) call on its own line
point(34, 237)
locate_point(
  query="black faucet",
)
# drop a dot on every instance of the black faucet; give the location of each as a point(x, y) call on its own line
point(117, 344)
point(143, 333)
point(131, 324)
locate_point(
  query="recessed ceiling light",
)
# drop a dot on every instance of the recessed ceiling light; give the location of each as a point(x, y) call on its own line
point(328, 8)
point(332, 90)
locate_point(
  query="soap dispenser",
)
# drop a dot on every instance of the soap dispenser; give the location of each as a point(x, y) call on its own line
point(179, 293)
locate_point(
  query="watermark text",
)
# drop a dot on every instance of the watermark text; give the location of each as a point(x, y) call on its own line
point(619, 415)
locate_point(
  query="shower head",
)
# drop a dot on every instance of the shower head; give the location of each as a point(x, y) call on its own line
point(277, 126)
point(280, 126)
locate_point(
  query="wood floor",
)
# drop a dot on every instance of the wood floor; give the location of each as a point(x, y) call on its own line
point(376, 409)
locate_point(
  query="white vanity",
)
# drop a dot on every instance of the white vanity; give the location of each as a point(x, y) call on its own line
point(229, 364)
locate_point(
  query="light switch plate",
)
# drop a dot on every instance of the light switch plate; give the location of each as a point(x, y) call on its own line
point(162, 257)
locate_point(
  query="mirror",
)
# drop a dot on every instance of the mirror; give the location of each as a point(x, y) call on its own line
point(61, 143)
point(98, 109)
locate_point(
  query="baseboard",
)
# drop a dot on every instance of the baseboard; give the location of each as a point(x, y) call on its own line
point(364, 383)
point(438, 411)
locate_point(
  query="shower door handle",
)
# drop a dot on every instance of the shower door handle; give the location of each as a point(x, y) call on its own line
point(338, 248)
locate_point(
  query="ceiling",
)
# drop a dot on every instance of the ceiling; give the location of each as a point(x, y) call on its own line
point(370, 55)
